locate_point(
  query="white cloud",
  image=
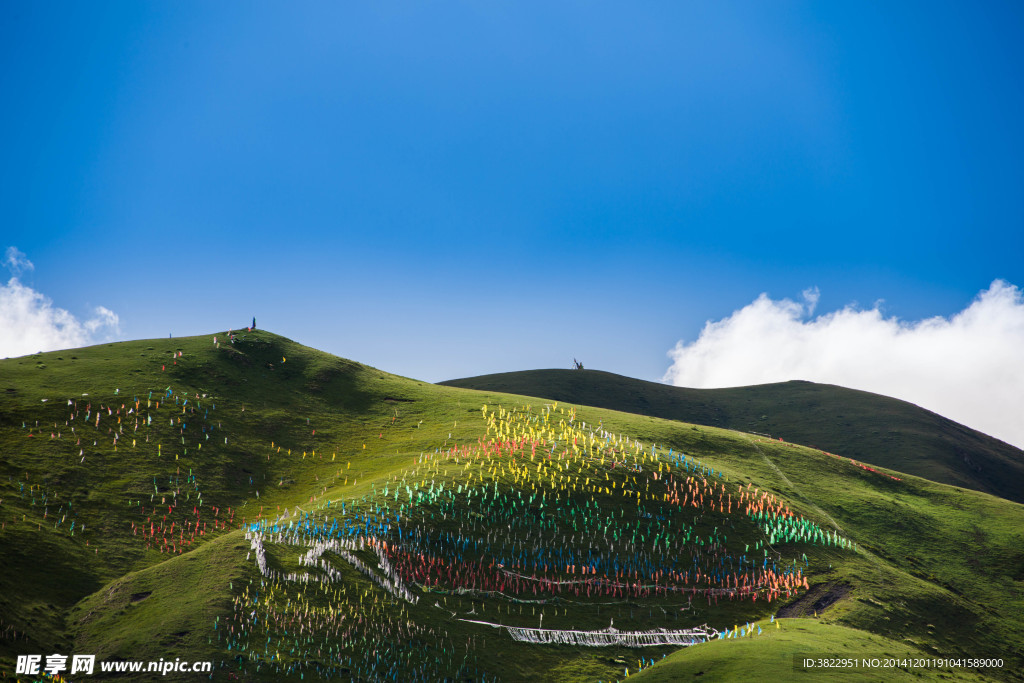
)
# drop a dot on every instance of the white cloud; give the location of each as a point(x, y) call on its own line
point(105, 318)
point(29, 322)
point(17, 262)
point(968, 367)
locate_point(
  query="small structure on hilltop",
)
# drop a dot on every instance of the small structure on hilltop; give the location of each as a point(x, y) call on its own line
point(577, 365)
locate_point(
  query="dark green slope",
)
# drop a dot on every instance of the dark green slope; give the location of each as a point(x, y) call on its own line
point(857, 424)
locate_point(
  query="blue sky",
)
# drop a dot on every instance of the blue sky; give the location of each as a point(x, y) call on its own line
point(450, 189)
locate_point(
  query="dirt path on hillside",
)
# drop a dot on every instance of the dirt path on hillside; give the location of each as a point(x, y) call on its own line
point(819, 598)
point(861, 550)
point(794, 486)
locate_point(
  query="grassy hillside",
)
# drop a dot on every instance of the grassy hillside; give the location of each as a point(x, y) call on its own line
point(857, 424)
point(404, 525)
point(781, 649)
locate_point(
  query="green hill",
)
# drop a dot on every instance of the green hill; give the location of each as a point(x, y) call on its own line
point(780, 654)
point(287, 514)
point(857, 424)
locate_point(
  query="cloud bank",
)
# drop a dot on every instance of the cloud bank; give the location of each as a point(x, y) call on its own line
point(29, 322)
point(968, 367)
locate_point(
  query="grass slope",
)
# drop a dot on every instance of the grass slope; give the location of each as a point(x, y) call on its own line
point(779, 649)
point(858, 424)
point(137, 552)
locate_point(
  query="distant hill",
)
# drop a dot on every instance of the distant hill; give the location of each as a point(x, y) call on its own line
point(857, 424)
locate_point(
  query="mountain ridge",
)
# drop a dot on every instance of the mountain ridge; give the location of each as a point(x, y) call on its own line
point(163, 498)
point(873, 428)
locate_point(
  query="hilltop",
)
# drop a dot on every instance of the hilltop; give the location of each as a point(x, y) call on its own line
point(286, 513)
point(875, 429)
